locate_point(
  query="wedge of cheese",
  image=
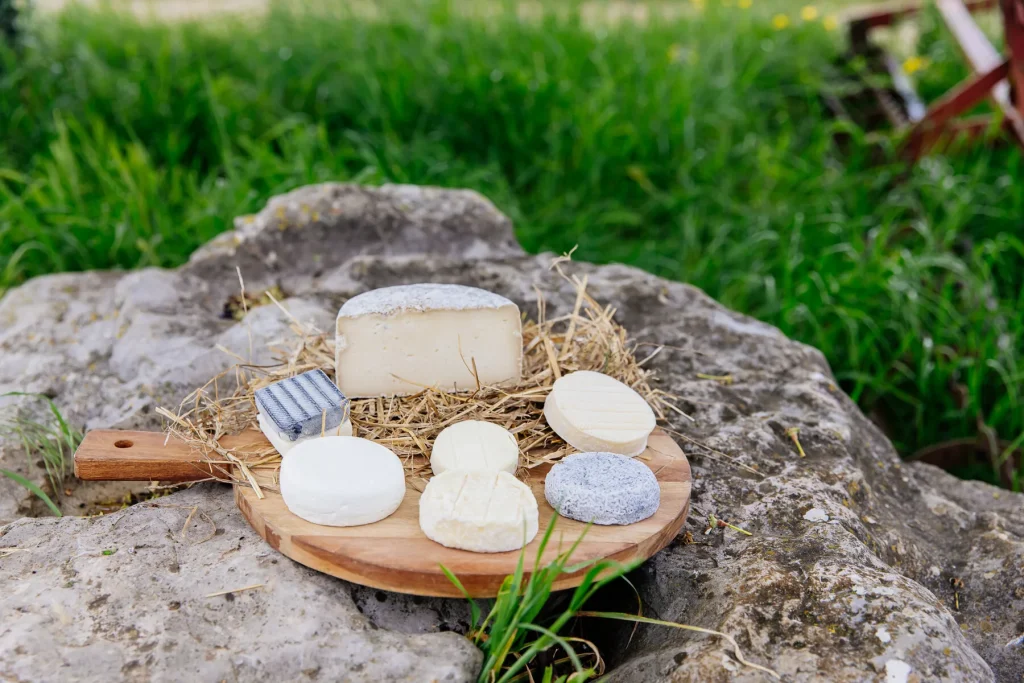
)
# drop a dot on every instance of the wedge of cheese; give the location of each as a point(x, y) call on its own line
point(486, 512)
point(474, 445)
point(342, 481)
point(594, 412)
point(398, 341)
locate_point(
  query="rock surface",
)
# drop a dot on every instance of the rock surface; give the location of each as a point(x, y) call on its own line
point(131, 596)
point(859, 567)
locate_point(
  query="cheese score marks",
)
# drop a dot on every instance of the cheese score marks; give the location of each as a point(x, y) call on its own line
point(594, 412)
point(342, 481)
point(397, 341)
point(483, 511)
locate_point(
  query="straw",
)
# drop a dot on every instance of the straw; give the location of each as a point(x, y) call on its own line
point(588, 338)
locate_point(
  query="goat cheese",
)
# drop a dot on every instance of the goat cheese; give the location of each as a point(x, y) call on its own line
point(298, 408)
point(474, 445)
point(603, 488)
point(342, 481)
point(481, 511)
point(398, 341)
point(594, 412)
point(281, 443)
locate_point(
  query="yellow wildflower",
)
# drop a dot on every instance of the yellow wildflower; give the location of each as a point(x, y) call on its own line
point(780, 21)
point(914, 63)
point(744, 4)
point(809, 13)
point(830, 22)
point(638, 175)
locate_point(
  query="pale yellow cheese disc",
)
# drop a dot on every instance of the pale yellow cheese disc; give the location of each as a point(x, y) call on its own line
point(593, 412)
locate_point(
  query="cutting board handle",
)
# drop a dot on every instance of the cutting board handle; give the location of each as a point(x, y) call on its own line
point(115, 455)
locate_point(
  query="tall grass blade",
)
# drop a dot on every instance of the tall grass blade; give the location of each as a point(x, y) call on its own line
point(474, 609)
point(31, 486)
point(622, 616)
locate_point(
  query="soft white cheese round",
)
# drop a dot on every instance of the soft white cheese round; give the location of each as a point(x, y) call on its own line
point(282, 445)
point(486, 512)
point(474, 445)
point(342, 481)
point(594, 412)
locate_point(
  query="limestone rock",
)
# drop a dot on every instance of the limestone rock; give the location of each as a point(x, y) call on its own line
point(355, 220)
point(113, 346)
point(913, 573)
point(132, 596)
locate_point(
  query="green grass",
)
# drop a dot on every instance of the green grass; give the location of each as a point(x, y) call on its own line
point(516, 630)
point(53, 441)
point(697, 148)
point(521, 624)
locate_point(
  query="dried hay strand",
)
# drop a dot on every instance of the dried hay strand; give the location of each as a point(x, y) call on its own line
point(588, 338)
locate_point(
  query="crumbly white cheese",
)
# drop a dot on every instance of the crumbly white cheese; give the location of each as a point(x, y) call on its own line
point(342, 481)
point(397, 341)
point(283, 445)
point(594, 412)
point(474, 445)
point(486, 512)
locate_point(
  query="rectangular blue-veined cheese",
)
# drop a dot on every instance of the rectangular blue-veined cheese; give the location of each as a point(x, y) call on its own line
point(302, 406)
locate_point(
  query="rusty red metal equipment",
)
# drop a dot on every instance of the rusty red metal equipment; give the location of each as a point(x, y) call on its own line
point(995, 76)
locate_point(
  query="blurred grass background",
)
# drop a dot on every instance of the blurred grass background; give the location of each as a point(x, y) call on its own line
point(694, 144)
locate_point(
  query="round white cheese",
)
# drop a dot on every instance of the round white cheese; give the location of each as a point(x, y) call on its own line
point(486, 512)
point(474, 445)
point(342, 481)
point(281, 443)
point(594, 412)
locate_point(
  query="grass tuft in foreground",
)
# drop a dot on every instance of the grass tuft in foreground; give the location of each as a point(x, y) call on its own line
point(512, 635)
point(696, 147)
point(54, 442)
point(518, 629)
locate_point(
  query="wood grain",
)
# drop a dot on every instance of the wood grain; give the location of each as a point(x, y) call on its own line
point(115, 455)
point(393, 554)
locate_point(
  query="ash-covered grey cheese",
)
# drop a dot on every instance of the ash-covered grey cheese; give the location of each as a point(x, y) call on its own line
point(603, 488)
point(295, 406)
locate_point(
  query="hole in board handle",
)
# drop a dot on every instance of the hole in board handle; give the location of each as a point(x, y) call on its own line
point(123, 443)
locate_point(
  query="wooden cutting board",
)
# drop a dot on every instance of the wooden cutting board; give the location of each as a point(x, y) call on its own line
point(393, 554)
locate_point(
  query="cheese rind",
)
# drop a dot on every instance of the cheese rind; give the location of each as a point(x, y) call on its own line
point(281, 443)
point(481, 511)
point(342, 481)
point(398, 341)
point(303, 405)
point(594, 412)
point(474, 445)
